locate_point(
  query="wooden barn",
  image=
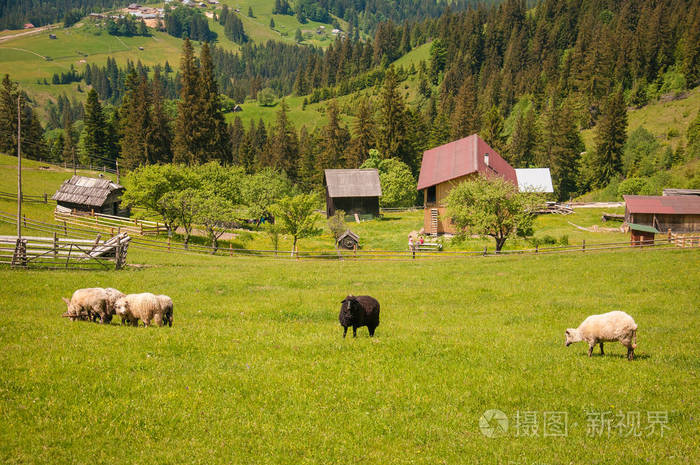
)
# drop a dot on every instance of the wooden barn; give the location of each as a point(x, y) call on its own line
point(353, 191)
point(446, 166)
point(677, 213)
point(90, 194)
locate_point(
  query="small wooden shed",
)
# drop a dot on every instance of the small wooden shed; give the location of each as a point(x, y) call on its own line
point(353, 191)
point(90, 194)
point(349, 240)
point(641, 234)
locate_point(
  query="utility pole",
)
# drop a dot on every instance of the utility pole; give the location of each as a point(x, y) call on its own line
point(19, 167)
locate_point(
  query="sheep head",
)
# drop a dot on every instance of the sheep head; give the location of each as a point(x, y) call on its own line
point(572, 335)
point(121, 306)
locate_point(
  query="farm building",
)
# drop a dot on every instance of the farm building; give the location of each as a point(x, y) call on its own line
point(90, 194)
point(678, 213)
point(353, 191)
point(534, 180)
point(681, 192)
point(446, 166)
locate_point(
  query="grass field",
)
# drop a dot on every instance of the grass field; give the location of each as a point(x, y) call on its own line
point(255, 370)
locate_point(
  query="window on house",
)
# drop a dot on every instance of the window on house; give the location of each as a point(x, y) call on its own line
point(431, 194)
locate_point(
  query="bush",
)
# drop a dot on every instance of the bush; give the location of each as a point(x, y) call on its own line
point(632, 186)
point(564, 239)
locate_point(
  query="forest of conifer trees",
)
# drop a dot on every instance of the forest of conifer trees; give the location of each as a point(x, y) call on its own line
point(552, 70)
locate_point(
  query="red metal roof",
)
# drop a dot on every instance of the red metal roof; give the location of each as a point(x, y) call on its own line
point(459, 158)
point(670, 204)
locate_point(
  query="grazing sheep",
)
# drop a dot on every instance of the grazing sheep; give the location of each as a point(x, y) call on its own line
point(166, 305)
point(89, 304)
point(608, 327)
point(112, 296)
point(362, 310)
point(145, 307)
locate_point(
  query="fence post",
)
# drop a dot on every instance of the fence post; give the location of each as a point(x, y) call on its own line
point(118, 254)
point(24, 220)
point(168, 242)
point(46, 198)
point(230, 249)
point(537, 248)
point(65, 228)
point(583, 246)
point(485, 250)
point(55, 246)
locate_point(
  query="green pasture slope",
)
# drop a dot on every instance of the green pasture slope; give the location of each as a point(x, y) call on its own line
point(255, 370)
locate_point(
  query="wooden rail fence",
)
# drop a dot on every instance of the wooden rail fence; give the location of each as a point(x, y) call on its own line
point(61, 252)
point(154, 245)
point(112, 224)
point(26, 198)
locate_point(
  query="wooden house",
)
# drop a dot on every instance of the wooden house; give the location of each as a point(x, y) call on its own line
point(446, 166)
point(677, 213)
point(353, 191)
point(90, 194)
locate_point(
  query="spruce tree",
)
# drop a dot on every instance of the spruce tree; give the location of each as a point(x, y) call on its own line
point(161, 133)
point(560, 146)
point(492, 129)
point(95, 135)
point(521, 148)
point(333, 142)
point(467, 119)
point(187, 134)
point(135, 122)
point(364, 134)
point(283, 147)
point(611, 135)
point(391, 136)
point(214, 143)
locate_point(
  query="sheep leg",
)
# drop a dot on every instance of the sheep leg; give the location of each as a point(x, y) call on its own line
point(345, 331)
point(134, 321)
point(354, 331)
point(158, 319)
point(630, 353)
point(590, 349)
point(601, 349)
point(371, 331)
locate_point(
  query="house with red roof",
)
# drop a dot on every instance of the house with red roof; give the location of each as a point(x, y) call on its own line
point(675, 213)
point(446, 166)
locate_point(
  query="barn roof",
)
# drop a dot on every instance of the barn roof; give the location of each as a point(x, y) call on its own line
point(667, 204)
point(353, 183)
point(534, 179)
point(86, 191)
point(459, 158)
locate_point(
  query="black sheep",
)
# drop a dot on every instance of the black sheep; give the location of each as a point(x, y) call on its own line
point(362, 310)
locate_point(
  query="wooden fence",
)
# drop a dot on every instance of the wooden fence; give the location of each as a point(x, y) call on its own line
point(110, 223)
point(683, 240)
point(166, 246)
point(26, 198)
point(61, 252)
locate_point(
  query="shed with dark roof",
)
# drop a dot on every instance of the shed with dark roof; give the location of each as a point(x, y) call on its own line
point(675, 213)
point(353, 191)
point(82, 193)
point(446, 166)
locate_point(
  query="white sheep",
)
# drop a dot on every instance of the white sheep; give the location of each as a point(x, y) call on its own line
point(166, 306)
point(112, 296)
point(89, 304)
point(145, 307)
point(608, 327)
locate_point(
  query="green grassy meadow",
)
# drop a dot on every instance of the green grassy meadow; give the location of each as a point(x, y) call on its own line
point(255, 370)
